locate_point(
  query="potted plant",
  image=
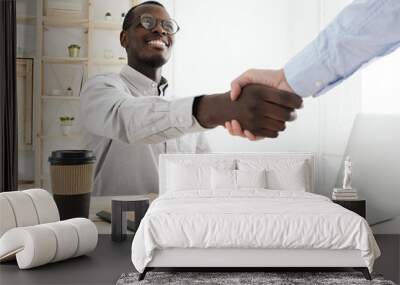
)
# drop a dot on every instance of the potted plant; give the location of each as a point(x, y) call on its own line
point(69, 92)
point(66, 125)
point(73, 50)
point(108, 16)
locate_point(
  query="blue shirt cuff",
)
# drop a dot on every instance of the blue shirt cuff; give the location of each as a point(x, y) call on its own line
point(308, 73)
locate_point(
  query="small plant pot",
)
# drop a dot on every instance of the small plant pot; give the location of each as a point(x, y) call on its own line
point(69, 92)
point(108, 17)
point(73, 51)
point(66, 130)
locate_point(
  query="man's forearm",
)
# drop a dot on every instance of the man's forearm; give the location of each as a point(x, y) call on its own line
point(212, 110)
point(109, 110)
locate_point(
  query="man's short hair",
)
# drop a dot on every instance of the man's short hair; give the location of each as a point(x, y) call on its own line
point(130, 15)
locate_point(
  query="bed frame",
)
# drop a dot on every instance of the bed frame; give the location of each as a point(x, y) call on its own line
point(233, 259)
point(245, 259)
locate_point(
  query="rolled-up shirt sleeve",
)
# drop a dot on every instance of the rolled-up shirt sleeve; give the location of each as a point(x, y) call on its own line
point(362, 31)
point(109, 110)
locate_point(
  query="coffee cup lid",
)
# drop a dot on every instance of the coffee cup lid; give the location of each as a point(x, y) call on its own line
point(71, 157)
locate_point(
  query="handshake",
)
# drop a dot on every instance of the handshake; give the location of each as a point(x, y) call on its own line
point(258, 106)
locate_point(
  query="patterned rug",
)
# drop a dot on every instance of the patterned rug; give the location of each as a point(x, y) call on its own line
point(253, 278)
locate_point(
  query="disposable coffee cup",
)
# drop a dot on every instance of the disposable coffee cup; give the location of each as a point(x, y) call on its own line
point(71, 173)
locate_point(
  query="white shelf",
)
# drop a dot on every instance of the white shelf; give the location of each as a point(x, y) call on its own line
point(72, 136)
point(26, 20)
point(103, 61)
point(64, 22)
point(26, 56)
point(104, 25)
point(53, 97)
point(65, 60)
point(83, 60)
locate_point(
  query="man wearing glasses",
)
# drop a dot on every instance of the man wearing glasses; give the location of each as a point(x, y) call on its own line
point(130, 121)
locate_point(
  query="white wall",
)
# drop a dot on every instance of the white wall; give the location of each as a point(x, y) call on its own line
point(338, 109)
point(221, 39)
point(380, 85)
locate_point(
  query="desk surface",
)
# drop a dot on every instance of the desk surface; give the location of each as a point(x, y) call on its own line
point(102, 266)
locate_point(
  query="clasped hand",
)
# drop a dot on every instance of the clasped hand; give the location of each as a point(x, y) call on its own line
point(261, 110)
point(287, 101)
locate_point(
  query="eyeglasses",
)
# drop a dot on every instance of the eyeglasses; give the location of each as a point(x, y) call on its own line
point(149, 22)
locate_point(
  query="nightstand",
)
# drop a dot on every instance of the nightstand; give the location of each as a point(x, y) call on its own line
point(118, 215)
point(357, 206)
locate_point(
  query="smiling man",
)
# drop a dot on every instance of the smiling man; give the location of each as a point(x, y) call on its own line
point(130, 120)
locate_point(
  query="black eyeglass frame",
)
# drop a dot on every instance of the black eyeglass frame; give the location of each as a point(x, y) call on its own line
point(138, 20)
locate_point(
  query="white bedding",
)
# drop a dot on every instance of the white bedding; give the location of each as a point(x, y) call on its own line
point(252, 218)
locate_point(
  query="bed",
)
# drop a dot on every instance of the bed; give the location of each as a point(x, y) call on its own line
point(247, 210)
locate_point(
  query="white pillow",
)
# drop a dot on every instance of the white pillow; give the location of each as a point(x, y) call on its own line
point(251, 178)
point(193, 173)
point(293, 179)
point(223, 179)
point(282, 174)
point(227, 179)
point(182, 178)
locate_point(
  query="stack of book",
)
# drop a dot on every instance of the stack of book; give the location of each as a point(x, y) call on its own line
point(344, 194)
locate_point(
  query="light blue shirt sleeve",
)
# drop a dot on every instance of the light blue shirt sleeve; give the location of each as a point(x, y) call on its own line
point(364, 30)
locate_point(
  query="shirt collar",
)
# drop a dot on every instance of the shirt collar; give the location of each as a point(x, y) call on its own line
point(142, 82)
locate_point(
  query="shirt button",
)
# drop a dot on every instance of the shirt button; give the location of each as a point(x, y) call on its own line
point(153, 85)
point(318, 83)
point(181, 120)
point(153, 129)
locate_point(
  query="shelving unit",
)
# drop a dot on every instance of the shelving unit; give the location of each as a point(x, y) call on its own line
point(43, 24)
point(64, 22)
point(64, 60)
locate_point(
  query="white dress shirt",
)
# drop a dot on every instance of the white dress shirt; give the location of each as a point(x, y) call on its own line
point(364, 30)
point(129, 122)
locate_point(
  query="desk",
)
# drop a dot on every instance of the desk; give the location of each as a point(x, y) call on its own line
point(102, 266)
